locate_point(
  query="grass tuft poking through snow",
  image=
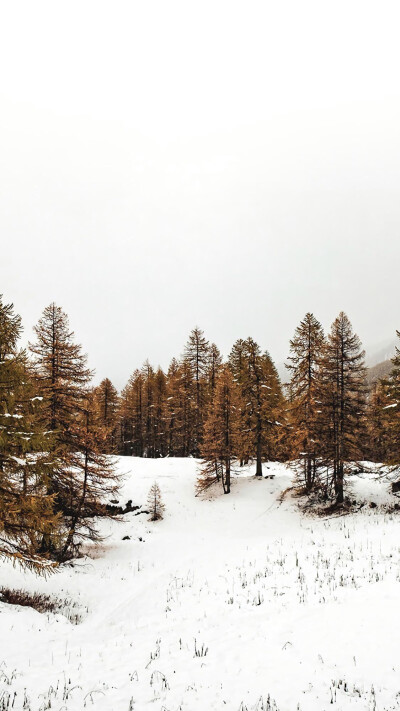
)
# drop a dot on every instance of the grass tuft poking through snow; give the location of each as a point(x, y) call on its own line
point(236, 602)
point(42, 603)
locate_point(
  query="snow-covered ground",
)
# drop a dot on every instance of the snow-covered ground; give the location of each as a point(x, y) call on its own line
point(231, 602)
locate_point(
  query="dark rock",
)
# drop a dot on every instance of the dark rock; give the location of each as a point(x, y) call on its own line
point(120, 510)
point(126, 538)
point(114, 510)
point(129, 507)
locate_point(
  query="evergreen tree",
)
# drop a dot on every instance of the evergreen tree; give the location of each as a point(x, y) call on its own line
point(238, 361)
point(239, 367)
point(160, 414)
point(196, 355)
point(391, 412)
point(106, 403)
point(133, 415)
point(90, 480)
point(343, 399)
point(213, 368)
point(380, 411)
point(60, 369)
point(149, 424)
point(184, 408)
point(155, 503)
point(262, 394)
point(80, 473)
point(304, 362)
point(26, 512)
point(143, 413)
point(274, 410)
point(173, 423)
point(125, 422)
point(222, 434)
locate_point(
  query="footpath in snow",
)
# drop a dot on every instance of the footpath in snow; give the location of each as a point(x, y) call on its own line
point(231, 602)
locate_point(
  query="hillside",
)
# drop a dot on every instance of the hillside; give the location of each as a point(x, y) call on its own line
point(226, 603)
point(378, 371)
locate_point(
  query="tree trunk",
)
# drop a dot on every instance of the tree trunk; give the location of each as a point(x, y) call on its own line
point(227, 487)
point(339, 484)
point(259, 460)
point(309, 480)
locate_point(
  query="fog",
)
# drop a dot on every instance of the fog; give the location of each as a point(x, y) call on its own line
point(230, 165)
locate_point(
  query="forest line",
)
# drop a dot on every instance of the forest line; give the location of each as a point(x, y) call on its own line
point(57, 430)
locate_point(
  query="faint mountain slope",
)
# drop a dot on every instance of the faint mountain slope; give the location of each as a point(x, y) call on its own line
point(380, 353)
point(378, 371)
point(378, 361)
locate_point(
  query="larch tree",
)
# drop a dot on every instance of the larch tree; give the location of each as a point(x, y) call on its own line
point(26, 511)
point(213, 368)
point(262, 395)
point(252, 394)
point(124, 437)
point(274, 410)
point(155, 503)
point(106, 404)
point(381, 412)
point(60, 369)
point(196, 355)
point(306, 349)
point(148, 403)
point(238, 365)
point(143, 413)
point(160, 415)
point(173, 423)
point(342, 394)
point(184, 404)
point(61, 373)
point(92, 479)
point(221, 443)
point(132, 414)
point(391, 413)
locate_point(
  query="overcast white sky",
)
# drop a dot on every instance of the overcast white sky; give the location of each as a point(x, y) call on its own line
point(225, 164)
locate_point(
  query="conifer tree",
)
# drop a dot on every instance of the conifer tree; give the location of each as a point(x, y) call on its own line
point(380, 412)
point(60, 369)
point(263, 412)
point(237, 361)
point(173, 424)
point(148, 409)
point(239, 367)
point(92, 479)
point(143, 413)
point(26, 512)
point(391, 412)
point(125, 423)
point(213, 368)
point(343, 399)
point(106, 402)
point(155, 503)
point(222, 433)
point(182, 408)
point(160, 416)
point(196, 355)
point(80, 474)
point(262, 395)
point(274, 411)
point(304, 363)
point(133, 415)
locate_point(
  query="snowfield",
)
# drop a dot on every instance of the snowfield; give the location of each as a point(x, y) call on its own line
point(231, 602)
